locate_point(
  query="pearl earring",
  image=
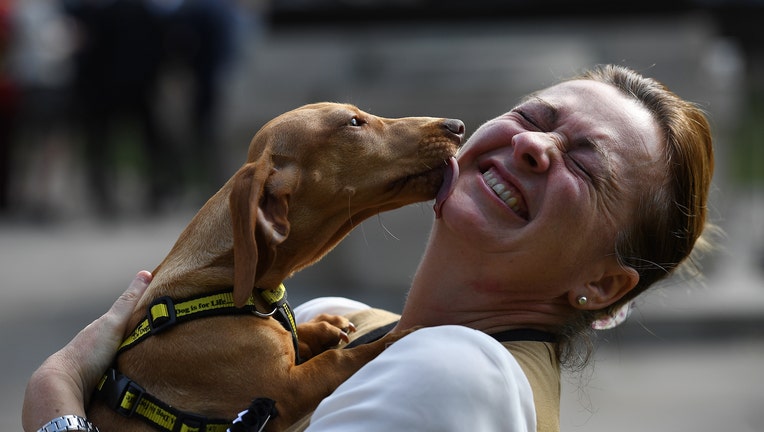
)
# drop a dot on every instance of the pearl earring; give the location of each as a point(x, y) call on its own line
point(582, 300)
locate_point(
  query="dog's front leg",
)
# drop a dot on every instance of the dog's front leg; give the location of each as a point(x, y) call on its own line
point(310, 382)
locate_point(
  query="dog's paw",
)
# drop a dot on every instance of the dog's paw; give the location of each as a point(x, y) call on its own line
point(321, 333)
point(338, 321)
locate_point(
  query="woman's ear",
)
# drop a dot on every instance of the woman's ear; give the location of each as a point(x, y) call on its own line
point(614, 283)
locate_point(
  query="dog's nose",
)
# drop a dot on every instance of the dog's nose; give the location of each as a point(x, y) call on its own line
point(455, 126)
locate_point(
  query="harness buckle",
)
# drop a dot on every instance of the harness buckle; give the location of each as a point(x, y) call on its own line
point(115, 393)
point(139, 391)
point(161, 315)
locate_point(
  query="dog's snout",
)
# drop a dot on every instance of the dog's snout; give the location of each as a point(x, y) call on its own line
point(454, 126)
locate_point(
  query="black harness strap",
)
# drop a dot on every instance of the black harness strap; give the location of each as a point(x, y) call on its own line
point(129, 399)
point(504, 336)
point(531, 335)
point(372, 336)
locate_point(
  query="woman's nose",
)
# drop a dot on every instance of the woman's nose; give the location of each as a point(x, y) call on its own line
point(533, 150)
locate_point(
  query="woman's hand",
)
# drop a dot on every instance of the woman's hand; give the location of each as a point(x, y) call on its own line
point(64, 382)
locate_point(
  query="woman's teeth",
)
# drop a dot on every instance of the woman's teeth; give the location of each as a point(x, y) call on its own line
point(505, 194)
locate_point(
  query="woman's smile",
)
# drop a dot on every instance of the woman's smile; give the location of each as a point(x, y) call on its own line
point(506, 192)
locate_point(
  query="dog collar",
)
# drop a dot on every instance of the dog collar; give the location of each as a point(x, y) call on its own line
point(165, 312)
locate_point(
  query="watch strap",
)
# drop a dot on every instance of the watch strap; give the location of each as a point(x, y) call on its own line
point(68, 423)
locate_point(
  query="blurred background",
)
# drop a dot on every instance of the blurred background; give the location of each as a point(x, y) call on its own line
point(119, 118)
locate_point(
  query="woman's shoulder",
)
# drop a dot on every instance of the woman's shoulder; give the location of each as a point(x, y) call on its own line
point(454, 344)
point(464, 354)
point(449, 377)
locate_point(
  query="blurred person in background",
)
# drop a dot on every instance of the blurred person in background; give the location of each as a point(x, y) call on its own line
point(8, 103)
point(200, 42)
point(128, 52)
point(559, 213)
point(119, 49)
point(94, 69)
point(37, 72)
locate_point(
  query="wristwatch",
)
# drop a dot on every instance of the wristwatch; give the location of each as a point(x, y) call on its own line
point(68, 423)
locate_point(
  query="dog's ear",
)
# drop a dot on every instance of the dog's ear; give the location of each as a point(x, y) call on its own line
point(259, 222)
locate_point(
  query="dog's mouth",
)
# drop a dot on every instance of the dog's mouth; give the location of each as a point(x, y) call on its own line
point(434, 179)
point(423, 185)
point(422, 177)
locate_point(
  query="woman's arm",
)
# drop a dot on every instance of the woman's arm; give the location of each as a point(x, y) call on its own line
point(62, 384)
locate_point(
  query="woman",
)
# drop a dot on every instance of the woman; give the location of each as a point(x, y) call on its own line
point(564, 209)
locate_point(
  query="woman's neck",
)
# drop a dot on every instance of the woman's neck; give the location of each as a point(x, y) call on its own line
point(456, 287)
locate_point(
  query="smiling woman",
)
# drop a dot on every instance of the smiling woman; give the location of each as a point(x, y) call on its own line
point(558, 213)
point(577, 175)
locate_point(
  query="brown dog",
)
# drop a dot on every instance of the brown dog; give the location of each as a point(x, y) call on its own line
point(311, 175)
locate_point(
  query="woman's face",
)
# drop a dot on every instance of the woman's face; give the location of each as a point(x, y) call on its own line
point(544, 188)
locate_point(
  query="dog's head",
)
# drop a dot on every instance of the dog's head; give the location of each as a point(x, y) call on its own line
point(314, 173)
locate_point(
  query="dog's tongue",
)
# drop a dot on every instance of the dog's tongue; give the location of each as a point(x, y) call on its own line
point(450, 174)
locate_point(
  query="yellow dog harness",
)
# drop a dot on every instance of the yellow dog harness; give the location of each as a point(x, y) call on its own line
point(129, 399)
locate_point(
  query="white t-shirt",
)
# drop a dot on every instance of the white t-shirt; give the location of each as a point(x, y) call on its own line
point(446, 378)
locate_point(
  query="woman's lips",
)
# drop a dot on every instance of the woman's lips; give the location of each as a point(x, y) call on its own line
point(450, 174)
point(506, 192)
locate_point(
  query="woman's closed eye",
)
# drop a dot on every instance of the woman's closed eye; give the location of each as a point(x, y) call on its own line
point(591, 165)
point(528, 119)
point(579, 166)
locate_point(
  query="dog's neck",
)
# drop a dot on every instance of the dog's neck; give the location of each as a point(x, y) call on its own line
point(210, 267)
